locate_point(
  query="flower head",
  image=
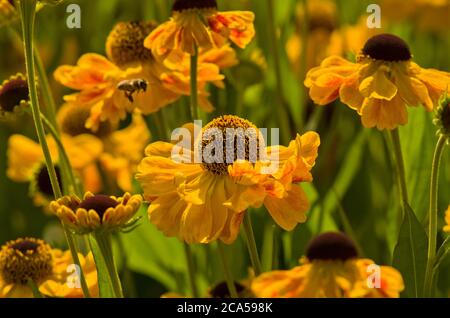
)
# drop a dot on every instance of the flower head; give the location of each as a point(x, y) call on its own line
point(199, 23)
point(442, 116)
point(72, 120)
point(99, 213)
point(26, 162)
point(96, 79)
point(203, 200)
point(27, 259)
point(380, 85)
point(13, 95)
point(330, 269)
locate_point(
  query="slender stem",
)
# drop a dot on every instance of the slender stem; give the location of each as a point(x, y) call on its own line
point(128, 279)
point(28, 14)
point(283, 109)
point(104, 244)
point(191, 269)
point(46, 91)
point(432, 215)
point(161, 121)
point(49, 102)
point(64, 157)
point(194, 84)
point(228, 276)
point(35, 289)
point(304, 60)
point(76, 259)
point(251, 244)
point(401, 175)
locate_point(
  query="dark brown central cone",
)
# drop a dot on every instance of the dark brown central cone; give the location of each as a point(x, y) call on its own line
point(181, 5)
point(73, 122)
point(25, 246)
point(387, 47)
point(221, 290)
point(43, 182)
point(99, 203)
point(245, 139)
point(12, 93)
point(125, 43)
point(331, 246)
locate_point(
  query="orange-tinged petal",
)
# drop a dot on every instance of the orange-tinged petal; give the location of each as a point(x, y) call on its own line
point(289, 211)
point(384, 114)
point(378, 86)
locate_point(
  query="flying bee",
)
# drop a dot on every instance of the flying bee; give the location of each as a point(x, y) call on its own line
point(129, 87)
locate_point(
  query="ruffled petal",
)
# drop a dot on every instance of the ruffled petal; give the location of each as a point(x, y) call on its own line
point(289, 211)
point(384, 114)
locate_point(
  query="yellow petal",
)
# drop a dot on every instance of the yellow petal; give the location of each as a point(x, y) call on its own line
point(378, 86)
point(384, 114)
point(289, 211)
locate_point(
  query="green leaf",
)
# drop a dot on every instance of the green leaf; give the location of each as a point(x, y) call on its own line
point(104, 282)
point(246, 73)
point(418, 142)
point(443, 253)
point(410, 254)
point(321, 216)
point(151, 253)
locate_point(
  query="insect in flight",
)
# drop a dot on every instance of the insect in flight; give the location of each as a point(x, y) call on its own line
point(129, 87)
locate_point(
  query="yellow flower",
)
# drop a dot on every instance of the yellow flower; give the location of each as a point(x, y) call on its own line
point(26, 162)
point(97, 213)
point(442, 116)
point(97, 79)
point(13, 95)
point(380, 85)
point(123, 150)
point(199, 23)
point(125, 48)
point(447, 221)
point(32, 259)
point(322, 20)
point(331, 269)
point(205, 201)
point(178, 73)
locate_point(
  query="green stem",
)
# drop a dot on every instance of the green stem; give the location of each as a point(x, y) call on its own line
point(401, 175)
point(161, 122)
point(46, 91)
point(64, 157)
point(304, 61)
point(194, 84)
point(251, 244)
point(228, 276)
point(432, 215)
point(104, 243)
point(35, 289)
point(191, 269)
point(28, 14)
point(76, 259)
point(283, 110)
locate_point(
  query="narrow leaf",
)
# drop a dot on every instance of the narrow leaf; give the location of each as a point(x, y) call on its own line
point(410, 254)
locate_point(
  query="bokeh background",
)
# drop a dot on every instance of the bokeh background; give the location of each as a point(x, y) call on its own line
point(354, 183)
